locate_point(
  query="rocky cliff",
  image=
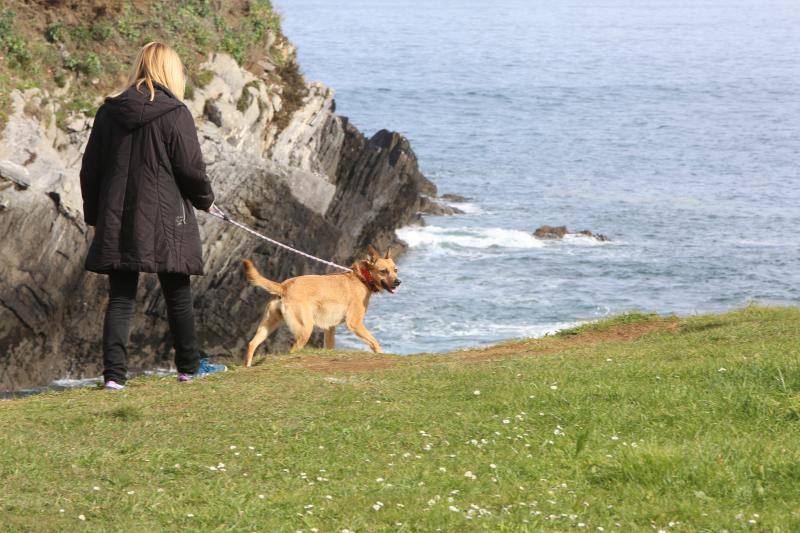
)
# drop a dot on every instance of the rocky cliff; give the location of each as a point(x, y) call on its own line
point(308, 178)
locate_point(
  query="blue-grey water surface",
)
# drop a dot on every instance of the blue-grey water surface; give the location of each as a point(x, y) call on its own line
point(672, 127)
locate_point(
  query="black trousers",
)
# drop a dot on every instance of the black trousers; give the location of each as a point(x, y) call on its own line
point(117, 327)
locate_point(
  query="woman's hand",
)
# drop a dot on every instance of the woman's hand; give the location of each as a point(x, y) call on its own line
point(216, 211)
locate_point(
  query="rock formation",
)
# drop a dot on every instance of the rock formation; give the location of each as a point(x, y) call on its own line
point(558, 232)
point(432, 206)
point(456, 198)
point(550, 232)
point(598, 236)
point(317, 183)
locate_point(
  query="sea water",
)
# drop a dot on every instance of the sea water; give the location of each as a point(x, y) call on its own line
point(671, 127)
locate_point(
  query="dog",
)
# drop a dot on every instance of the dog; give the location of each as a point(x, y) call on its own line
point(323, 301)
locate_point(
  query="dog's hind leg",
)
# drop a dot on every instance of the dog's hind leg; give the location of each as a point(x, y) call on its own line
point(330, 338)
point(302, 324)
point(273, 318)
point(301, 338)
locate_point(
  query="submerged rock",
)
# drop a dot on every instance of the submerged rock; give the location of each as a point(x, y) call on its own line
point(550, 232)
point(598, 236)
point(455, 198)
point(317, 184)
point(558, 232)
point(432, 206)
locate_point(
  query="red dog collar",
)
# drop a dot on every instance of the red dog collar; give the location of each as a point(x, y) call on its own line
point(366, 277)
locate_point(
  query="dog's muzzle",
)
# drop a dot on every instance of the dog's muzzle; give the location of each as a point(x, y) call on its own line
point(393, 287)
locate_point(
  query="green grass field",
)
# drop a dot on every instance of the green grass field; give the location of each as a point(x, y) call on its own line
point(636, 423)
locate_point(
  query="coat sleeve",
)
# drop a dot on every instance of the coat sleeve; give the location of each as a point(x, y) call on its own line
point(187, 161)
point(92, 168)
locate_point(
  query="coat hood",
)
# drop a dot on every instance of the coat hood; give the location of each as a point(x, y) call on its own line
point(133, 109)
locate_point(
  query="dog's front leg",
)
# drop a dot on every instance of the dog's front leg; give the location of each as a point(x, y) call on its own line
point(361, 331)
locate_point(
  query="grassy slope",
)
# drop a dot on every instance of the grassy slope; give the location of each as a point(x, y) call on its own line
point(637, 422)
point(84, 49)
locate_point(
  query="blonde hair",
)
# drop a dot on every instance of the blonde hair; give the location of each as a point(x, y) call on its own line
point(156, 62)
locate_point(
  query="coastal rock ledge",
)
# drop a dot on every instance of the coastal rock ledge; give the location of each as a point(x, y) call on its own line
point(316, 183)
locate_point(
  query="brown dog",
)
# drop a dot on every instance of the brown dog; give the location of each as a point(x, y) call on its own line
point(323, 301)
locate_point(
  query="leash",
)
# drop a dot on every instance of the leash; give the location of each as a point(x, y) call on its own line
point(215, 211)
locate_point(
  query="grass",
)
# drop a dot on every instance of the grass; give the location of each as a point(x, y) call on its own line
point(87, 48)
point(635, 423)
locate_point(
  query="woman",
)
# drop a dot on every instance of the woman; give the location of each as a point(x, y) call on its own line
point(141, 174)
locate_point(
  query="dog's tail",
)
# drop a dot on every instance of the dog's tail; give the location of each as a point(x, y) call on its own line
point(258, 280)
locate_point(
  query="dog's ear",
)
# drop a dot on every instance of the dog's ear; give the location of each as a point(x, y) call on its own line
point(374, 255)
point(387, 255)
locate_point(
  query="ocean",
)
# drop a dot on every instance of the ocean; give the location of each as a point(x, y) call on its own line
point(671, 127)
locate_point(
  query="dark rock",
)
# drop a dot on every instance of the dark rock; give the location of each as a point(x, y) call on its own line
point(558, 232)
point(550, 232)
point(598, 236)
point(378, 187)
point(31, 158)
point(430, 206)
point(213, 113)
point(455, 198)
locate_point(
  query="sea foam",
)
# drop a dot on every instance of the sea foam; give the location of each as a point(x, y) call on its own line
point(467, 237)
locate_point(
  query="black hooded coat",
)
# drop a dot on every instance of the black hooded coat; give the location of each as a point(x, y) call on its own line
point(141, 174)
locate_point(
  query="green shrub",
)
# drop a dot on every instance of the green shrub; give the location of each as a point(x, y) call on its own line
point(54, 32)
point(80, 35)
point(294, 91)
point(91, 64)
point(88, 65)
point(202, 78)
point(127, 27)
point(246, 98)
point(71, 63)
point(17, 51)
point(60, 78)
point(235, 44)
point(45, 51)
point(101, 31)
point(80, 105)
point(6, 24)
point(202, 37)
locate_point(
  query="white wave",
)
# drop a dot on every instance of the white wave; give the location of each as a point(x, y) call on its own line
point(577, 239)
point(467, 207)
point(466, 237)
point(500, 331)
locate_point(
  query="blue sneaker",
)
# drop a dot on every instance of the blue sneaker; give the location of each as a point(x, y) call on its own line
point(203, 370)
point(206, 368)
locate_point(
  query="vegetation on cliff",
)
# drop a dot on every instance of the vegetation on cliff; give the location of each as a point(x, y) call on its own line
point(634, 423)
point(81, 51)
